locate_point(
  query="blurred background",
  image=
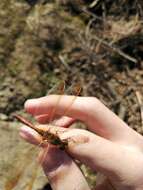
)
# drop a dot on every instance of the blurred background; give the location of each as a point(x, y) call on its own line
point(97, 43)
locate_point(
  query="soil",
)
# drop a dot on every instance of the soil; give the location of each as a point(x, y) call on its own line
point(98, 44)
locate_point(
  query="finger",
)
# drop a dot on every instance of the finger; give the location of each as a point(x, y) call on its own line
point(98, 117)
point(61, 122)
point(109, 158)
point(64, 122)
point(30, 135)
point(33, 137)
point(46, 105)
point(43, 119)
point(62, 171)
point(46, 118)
point(84, 146)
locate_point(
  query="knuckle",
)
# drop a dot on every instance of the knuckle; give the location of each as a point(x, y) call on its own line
point(93, 102)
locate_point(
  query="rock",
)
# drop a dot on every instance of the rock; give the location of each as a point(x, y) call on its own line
point(3, 117)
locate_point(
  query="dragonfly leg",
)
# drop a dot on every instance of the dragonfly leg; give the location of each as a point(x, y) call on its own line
point(43, 142)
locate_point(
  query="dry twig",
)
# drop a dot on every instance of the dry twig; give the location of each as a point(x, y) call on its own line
point(94, 3)
point(105, 43)
point(115, 49)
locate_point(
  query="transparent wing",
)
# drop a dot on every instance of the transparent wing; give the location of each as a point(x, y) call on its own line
point(58, 89)
point(74, 90)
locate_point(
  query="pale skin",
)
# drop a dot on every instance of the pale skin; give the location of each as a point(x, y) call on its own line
point(109, 146)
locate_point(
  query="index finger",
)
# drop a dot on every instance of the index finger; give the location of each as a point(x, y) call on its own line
point(89, 110)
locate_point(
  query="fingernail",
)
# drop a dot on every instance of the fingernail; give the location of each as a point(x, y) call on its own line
point(29, 135)
point(25, 130)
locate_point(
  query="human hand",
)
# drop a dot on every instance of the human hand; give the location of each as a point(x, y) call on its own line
point(111, 147)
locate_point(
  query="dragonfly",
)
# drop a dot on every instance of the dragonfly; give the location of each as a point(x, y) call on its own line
point(47, 136)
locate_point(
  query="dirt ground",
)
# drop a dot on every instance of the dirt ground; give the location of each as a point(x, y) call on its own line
point(98, 44)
